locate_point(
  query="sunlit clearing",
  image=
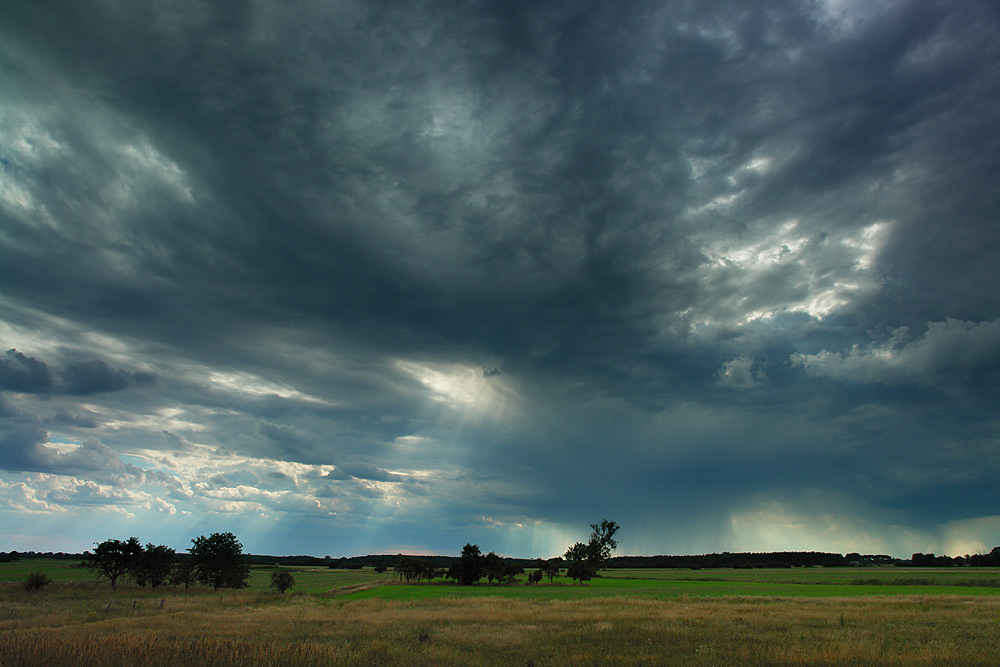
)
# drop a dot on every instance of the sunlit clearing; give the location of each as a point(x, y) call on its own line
point(971, 536)
point(245, 383)
point(474, 392)
point(62, 444)
point(791, 248)
point(772, 526)
point(531, 536)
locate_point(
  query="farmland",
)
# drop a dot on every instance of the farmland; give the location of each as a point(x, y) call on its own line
point(813, 616)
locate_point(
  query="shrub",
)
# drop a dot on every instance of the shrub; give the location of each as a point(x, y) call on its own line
point(282, 580)
point(36, 581)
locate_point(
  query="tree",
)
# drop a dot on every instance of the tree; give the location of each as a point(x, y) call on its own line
point(580, 570)
point(153, 565)
point(493, 567)
point(535, 576)
point(379, 569)
point(218, 561)
point(599, 548)
point(602, 542)
point(411, 568)
point(551, 568)
point(577, 552)
point(510, 572)
point(282, 580)
point(468, 569)
point(113, 559)
point(585, 559)
point(183, 574)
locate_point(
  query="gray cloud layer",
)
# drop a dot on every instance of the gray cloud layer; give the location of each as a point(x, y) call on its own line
point(408, 275)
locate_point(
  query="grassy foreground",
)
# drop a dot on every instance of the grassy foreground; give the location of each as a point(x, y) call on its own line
point(75, 622)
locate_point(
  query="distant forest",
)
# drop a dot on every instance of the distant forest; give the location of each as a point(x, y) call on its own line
point(778, 559)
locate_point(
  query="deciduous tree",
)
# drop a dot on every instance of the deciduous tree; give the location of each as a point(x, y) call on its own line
point(602, 542)
point(585, 559)
point(410, 567)
point(551, 568)
point(218, 561)
point(493, 567)
point(154, 565)
point(113, 559)
point(468, 569)
point(580, 570)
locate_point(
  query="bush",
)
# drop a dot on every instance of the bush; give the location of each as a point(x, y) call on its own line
point(36, 581)
point(282, 580)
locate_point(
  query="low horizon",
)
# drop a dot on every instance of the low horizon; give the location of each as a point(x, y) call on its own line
point(331, 557)
point(368, 277)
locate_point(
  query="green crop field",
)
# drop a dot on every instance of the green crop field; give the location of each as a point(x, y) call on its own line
point(806, 616)
point(674, 583)
point(57, 570)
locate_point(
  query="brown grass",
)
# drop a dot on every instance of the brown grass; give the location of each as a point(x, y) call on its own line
point(96, 628)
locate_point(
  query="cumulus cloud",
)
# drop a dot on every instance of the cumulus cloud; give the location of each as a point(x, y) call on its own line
point(24, 497)
point(950, 351)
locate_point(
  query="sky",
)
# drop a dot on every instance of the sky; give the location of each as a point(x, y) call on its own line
point(346, 278)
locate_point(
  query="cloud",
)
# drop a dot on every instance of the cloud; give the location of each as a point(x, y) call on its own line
point(21, 373)
point(91, 377)
point(741, 373)
point(950, 351)
point(21, 447)
point(83, 378)
point(363, 471)
point(82, 419)
point(23, 497)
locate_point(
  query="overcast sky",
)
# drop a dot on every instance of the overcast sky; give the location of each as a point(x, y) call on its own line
point(361, 277)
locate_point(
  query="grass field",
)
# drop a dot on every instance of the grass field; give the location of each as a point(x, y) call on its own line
point(849, 616)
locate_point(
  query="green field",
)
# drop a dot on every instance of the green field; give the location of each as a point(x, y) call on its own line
point(653, 583)
point(648, 583)
point(813, 616)
point(672, 584)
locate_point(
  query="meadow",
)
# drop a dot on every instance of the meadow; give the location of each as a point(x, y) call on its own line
point(814, 616)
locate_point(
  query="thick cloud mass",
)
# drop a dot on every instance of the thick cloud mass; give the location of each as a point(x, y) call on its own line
point(392, 277)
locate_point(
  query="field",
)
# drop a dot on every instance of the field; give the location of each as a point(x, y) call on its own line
point(849, 616)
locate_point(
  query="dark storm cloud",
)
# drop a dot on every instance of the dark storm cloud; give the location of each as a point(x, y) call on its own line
point(20, 448)
point(748, 247)
point(83, 378)
point(81, 420)
point(21, 373)
point(90, 377)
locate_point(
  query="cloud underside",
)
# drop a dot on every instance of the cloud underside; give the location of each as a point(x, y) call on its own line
point(372, 276)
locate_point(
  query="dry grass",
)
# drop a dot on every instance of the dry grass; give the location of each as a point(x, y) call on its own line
point(92, 627)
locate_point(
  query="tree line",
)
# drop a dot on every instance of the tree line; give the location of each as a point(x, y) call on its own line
point(216, 560)
point(582, 561)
